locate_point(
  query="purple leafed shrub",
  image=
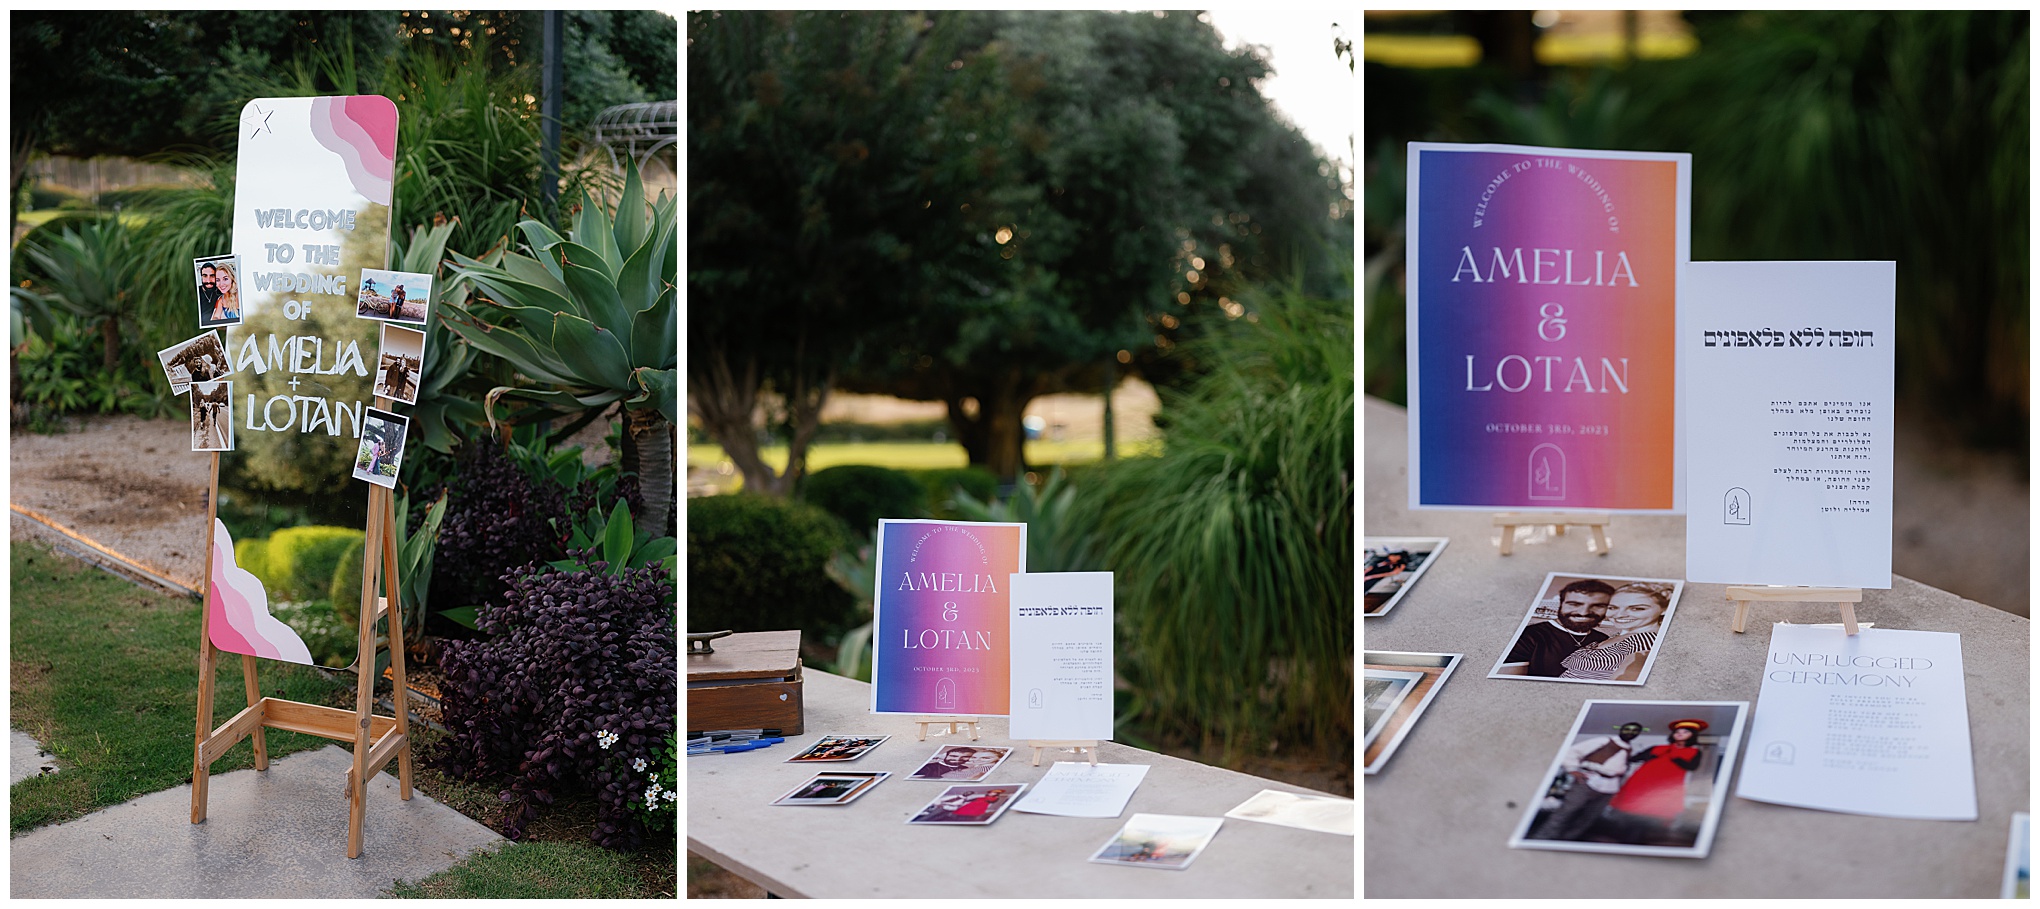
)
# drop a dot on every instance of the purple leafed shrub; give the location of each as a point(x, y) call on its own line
point(497, 518)
point(575, 685)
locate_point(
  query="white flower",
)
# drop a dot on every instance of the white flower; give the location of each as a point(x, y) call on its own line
point(638, 765)
point(605, 738)
point(655, 778)
point(670, 795)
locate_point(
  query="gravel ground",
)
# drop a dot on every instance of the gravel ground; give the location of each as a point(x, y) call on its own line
point(129, 484)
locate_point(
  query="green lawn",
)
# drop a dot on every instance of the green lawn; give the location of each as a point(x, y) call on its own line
point(105, 676)
point(534, 871)
point(917, 455)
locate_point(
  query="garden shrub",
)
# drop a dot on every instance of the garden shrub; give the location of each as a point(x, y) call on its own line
point(498, 517)
point(345, 588)
point(860, 494)
point(301, 560)
point(577, 685)
point(942, 484)
point(253, 557)
point(756, 563)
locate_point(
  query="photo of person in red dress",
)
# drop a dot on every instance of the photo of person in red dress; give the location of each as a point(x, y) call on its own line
point(1654, 795)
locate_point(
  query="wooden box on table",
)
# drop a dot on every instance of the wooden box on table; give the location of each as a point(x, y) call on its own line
point(751, 681)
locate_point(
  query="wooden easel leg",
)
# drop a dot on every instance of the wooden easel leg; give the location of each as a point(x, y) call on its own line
point(255, 697)
point(399, 692)
point(200, 769)
point(1600, 540)
point(364, 689)
point(1849, 618)
point(1508, 538)
point(1742, 611)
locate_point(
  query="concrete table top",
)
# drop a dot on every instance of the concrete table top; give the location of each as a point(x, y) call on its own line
point(1438, 815)
point(867, 848)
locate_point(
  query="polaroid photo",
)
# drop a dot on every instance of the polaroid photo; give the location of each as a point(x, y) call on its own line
point(219, 290)
point(833, 788)
point(1302, 810)
point(400, 366)
point(212, 416)
point(1395, 690)
point(2018, 882)
point(1637, 778)
point(1593, 629)
point(969, 805)
point(1169, 841)
point(962, 763)
point(1393, 565)
point(838, 748)
point(201, 359)
point(382, 447)
point(393, 296)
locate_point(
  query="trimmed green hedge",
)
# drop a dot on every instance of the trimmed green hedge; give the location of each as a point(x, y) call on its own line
point(756, 563)
point(860, 494)
point(300, 561)
point(941, 484)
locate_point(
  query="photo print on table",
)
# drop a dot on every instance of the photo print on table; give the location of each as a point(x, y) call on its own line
point(838, 748)
point(1170, 841)
point(400, 367)
point(382, 447)
point(969, 805)
point(1637, 778)
point(1596, 629)
point(1393, 566)
point(393, 296)
point(962, 763)
point(212, 416)
point(219, 290)
point(200, 359)
point(833, 788)
point(1395, 689)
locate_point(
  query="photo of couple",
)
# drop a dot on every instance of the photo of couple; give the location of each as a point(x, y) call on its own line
point(1637, 777)
point(219, 290)
point(1595, 629)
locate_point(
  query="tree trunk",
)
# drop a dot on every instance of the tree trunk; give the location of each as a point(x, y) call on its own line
point(804, 403)
point(992, 436)
point(649, 442)
point(725, 400)
point(109, 337)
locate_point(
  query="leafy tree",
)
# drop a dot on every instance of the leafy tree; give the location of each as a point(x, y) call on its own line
point(842, 173)
point(1152, 185)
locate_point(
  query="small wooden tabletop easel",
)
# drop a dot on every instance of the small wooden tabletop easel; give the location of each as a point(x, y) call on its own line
point(1596, 521)
point(952, 721)
point(1086, 747)
point(375, 738)
point(1846, 597)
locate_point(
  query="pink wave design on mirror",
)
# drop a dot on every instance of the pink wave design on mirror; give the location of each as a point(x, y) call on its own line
point(362, 130)
point(239, 607)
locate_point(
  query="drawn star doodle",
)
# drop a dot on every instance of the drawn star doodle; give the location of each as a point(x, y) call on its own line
point(260, 119)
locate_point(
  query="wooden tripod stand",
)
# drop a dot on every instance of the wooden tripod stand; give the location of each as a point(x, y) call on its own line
point(375, 738)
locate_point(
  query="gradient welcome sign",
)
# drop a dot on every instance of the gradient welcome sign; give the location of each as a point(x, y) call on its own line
point(941, 614)
point(1543, 290)
point(311, 210)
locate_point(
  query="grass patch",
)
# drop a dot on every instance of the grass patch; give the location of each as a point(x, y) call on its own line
point(921, 455)
point(534, 871)
point(104, 674)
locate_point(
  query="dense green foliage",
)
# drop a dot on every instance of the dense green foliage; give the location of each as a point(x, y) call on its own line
point(1232, 552)
point(944, 483)
point(756, 563)
point(299, 563)
point(1815, 135)
point(860, 494)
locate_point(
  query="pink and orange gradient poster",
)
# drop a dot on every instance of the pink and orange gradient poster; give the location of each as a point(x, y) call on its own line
point(1542, 288)
point(940, 616)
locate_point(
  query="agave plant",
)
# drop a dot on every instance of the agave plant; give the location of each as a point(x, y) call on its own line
point(87, 271)
point(590, 319)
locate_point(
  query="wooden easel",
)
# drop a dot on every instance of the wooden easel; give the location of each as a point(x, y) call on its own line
point(375, 738)
point(1086, 747)
point(1846, 597)
point(953, 722)
point(1597, 522)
